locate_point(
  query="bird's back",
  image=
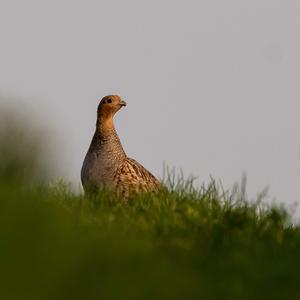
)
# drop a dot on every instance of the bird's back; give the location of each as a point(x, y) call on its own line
point(131, 178)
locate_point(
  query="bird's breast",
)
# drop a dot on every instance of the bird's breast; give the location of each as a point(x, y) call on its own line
point(99, 168)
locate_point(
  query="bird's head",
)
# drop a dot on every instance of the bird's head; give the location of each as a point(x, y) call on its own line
point(109, 105)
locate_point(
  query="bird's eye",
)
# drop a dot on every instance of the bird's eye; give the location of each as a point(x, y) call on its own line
point(108, 100)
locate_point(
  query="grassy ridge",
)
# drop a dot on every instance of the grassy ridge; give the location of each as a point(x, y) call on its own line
point(183, 244)
point(55, 245)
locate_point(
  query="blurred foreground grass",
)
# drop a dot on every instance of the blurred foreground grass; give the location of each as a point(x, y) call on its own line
point(182, 244)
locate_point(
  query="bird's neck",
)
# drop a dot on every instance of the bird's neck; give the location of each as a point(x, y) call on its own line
point(106, 137)
point(105, 126)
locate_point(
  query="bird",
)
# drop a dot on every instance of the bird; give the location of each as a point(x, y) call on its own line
point(106, 164)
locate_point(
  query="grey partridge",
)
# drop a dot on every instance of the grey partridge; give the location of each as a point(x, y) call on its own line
point(106, 163)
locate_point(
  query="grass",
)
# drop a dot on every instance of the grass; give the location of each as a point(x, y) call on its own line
point(180, 244)
point(56, 245)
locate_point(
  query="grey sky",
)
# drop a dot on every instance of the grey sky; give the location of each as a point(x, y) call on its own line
point(213, 87)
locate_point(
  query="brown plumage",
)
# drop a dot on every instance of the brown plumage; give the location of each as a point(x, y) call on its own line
point(106, 164)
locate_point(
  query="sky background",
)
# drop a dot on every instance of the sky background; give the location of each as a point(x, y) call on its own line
point(213, 87)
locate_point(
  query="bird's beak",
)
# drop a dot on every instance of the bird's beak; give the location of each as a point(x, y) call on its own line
point(123, 103)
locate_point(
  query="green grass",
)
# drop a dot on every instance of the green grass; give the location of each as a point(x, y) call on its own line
point(55, 245)
point(181, 244)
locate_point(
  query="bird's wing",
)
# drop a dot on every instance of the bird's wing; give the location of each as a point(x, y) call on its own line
point(132, 177)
